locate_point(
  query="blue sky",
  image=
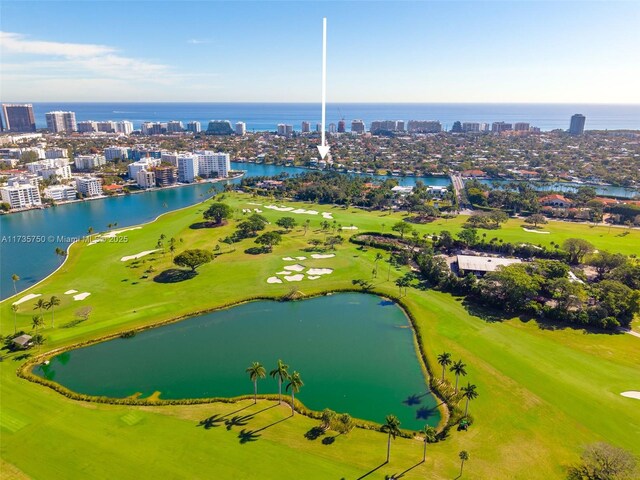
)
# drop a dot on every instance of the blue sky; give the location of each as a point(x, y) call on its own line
point(428, 51)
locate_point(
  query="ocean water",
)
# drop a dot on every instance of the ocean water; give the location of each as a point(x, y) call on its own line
point(266, 116)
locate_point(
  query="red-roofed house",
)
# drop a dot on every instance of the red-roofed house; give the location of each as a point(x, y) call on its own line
point(555, 200)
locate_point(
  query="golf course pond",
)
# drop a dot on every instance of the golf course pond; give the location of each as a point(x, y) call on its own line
point(355, 353)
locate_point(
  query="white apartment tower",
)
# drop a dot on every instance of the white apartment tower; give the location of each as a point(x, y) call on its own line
point(187, 168)
point(59, 122)
point(241, 128)
point(89, 186)
point(213, 164)
point(21, 193)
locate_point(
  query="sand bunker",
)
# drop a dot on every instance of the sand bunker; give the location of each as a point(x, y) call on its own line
point(349, 228)
point(288, 259)
point(69, 292)
point(273, 280)
point(533, 231)
point(286, 272)
point(26, 298)
point(631, 394)
point(313, 277)
point(111, 234)
point(301, 258)
point(294, 278)
point(252, 203)
point(319, 271)
point(278, 209)
point(81, 296)
point(327, 215)
point(137, 255)
point(294, 268)
point(320, 255)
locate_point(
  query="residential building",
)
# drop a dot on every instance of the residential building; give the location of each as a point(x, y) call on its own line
point(58, 122)
point(306, 127)
point(332, 128)
point(219, 127)
point(284, 129)
point(61, 193)
point(143, 164)
point(89, 162)
point(555, 200)
point(19, 117)
point(116, 153)
point(87, 126)
point(20, 192)
point(213, 164)
point(241, 128)
point(124, 126)
point(576, 127)
point(342, 126)
point(498, 127)
point(106, 126)
point(58, 167)
point(424, 126)
point(153, 128)
point(140, 152)
point(485, 127)
point(479, 265)
point(470, 127)
point(187, 168)
point(166, 175)
point(169, 157)
point(175, 126)
point(521, 127)
point(89, 186)
point(400, 126)
point(56, 153)
point(319, 127)
point(146, 178)
point(194, 127)
point(357, 126)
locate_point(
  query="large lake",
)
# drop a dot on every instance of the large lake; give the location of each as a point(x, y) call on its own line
point(354, 351)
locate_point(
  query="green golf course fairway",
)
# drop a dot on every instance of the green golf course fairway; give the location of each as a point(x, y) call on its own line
point(544, 392)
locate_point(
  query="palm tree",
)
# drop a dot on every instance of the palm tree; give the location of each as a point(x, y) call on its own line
point(375, 262)
point(14, 309)
point(90, 230)
point(444, 359)
point(295, 384)
point(36, 321)
point(306, 225)
point(282, 373)
point(256, 371)
point(39, 305)
point(391, 427)
point(459, 369)
point(429, 436)
point(389, 270)
point(464, 455)
point(61, 253)
point(52, 304)
point(469, 392)
point(15, 278)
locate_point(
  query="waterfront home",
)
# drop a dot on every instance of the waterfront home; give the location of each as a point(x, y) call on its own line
point(555, 200)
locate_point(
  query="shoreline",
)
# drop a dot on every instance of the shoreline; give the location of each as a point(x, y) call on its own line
point(135, 192)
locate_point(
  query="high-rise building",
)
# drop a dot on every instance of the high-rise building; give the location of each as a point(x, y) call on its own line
point(165, 175)
point(194, 127)
point(146, 178)
point(153, 128)
point(332, 128)
point(60, 193)
point(219, 127)
point(56, 152)
point(424, 126)
point(107, 126)
point(174, 126)
point(357, 126)
point(342, 126)
point(400, 125)
point(318, 127)
point(50, 167)
point(241, 128)
point(116, 153)
point(470, 127)
point(145, 163)
point(306, 127)
point(497, 127)
point(61, 122)
point(89, 186)
point(187, 168)
point(21, 193)
point(285, 129)
point(19, 117)
point(124, 126)
point(89, 162)
point(521, 127)
point(87, 126)
point(213, 164)
point(577, 124)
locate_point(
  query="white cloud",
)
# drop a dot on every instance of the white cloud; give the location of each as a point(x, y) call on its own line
point(196, 41)
point(58, 70)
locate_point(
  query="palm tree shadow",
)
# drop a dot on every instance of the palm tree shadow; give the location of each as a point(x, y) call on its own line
point(211, 422)
point(372, 470)
point(401, 474)
point(238, 421)
point(411, 400)
point(424, 413)
point(247, 436)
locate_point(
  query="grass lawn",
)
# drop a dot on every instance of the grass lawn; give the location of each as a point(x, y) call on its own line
point(543, 392)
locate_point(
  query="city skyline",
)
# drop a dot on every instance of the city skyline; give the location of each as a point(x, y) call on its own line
point(426, 52)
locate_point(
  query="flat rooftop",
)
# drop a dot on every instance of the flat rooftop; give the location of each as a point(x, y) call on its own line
point(483, 264)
